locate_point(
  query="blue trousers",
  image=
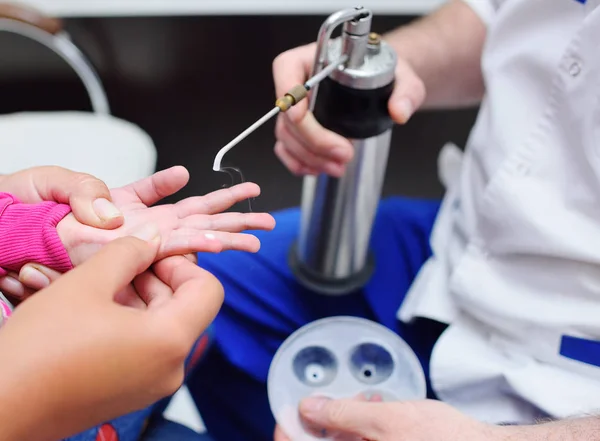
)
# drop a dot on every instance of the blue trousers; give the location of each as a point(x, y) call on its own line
point(264, 304)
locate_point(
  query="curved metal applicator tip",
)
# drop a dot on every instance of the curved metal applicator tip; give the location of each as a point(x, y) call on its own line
point(241, 136)
point(293, 97)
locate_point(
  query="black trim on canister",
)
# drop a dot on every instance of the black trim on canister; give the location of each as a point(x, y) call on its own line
point(353, 113)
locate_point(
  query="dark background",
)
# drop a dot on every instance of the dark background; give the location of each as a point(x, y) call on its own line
point(181, 79)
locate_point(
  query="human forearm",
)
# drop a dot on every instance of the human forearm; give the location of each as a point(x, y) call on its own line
point(445, 50)
point(580, 429)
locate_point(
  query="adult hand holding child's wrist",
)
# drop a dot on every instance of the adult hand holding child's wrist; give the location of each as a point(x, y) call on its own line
point(195, 224)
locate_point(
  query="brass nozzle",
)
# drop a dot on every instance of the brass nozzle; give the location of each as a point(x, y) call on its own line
point(291, 98)
point(374, 38)
point(285, 103)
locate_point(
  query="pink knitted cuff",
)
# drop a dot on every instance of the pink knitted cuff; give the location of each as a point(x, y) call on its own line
point(28, 235)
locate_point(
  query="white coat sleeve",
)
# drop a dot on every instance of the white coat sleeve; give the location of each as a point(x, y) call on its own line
point(486, 9)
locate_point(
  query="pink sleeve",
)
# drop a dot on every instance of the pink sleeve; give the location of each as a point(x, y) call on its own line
point(28, 235)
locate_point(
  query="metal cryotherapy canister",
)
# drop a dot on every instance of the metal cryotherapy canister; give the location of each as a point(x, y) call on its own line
point(331, 255)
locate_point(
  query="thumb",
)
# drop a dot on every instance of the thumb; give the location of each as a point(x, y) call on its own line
point(113, 267)
point(91, 203)
point(187, 280)
point(347, 416)
point(88, 197)
point(409, 93)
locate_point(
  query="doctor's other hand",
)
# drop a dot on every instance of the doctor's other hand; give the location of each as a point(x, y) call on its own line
point(303, 145)
point(74, 357)
point(391, 421)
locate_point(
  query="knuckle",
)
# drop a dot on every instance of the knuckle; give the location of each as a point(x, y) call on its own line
point(280, 60)
point(53, 169)
point(287, 56)
point(86, 181)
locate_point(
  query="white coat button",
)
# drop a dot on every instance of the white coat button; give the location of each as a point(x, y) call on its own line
point(575, 69)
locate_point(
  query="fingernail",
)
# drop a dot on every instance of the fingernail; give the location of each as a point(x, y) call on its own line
point(313, 405)
point(106, 210)
point(12, 286)
point(210, 236)
point(34, 278)
point(405, 108)
point(148, 232)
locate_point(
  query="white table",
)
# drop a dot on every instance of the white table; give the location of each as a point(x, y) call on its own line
point(107, 8)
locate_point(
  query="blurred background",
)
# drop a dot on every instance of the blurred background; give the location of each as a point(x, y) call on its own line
point(177, 69)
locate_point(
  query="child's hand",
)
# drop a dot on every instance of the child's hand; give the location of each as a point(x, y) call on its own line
point(195, 224)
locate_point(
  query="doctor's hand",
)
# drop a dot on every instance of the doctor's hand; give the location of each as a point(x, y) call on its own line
point(303, 145)
point(73, 356)
point(399, 421)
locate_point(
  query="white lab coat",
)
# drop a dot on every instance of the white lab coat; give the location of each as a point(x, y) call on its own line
point(516, 264)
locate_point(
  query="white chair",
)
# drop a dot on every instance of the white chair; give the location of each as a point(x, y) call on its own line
point(95, 142)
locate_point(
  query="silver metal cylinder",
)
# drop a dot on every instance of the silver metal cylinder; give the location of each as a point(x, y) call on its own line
point(338, 214)
point(331, 255)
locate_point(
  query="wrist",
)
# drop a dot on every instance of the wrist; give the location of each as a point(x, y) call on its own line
point(29, 234)
point(444, 49)
point(80, 241)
